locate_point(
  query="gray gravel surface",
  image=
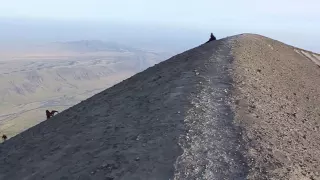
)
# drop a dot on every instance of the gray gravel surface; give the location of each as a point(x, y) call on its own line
point(243, 107)
point(276, 100)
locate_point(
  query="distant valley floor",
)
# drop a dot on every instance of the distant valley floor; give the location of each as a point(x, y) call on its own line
point(32, 83)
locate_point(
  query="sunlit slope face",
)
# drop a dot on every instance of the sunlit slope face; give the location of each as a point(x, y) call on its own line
point(277, 96)
point(59, 75)
point(310, 55)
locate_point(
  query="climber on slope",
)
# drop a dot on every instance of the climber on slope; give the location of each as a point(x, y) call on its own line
point(212, 38)
point(50, 114)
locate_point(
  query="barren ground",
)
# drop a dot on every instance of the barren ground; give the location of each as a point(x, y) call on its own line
point(243, 107)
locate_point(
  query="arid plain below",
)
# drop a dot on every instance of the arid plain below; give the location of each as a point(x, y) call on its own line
point(58, 75)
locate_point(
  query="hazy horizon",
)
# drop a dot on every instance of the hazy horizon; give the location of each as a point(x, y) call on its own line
point(44, 31)
point(164, 25)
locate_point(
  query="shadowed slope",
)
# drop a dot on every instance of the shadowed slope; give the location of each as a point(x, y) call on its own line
point(138, 128)
point(243, 107)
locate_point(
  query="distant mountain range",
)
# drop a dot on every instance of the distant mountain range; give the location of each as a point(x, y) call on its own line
point(90, 46)
point(74, 47)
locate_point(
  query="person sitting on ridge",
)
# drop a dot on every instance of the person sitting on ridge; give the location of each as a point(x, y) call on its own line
point(50, 114)
point(212, 38)
point(4, 137)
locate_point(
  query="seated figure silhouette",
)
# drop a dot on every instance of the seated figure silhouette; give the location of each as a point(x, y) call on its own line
point(212, 38)
point(50, 114)
point(4, 137)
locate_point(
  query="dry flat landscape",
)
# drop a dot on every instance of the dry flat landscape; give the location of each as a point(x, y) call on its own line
point(60, 75)
point(242, 107)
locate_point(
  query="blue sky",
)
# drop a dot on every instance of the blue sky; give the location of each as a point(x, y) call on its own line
point(280, 19)
point(183, 12)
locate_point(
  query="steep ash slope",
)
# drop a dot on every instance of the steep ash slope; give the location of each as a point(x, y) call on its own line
point(138, 128)
point(243, 107)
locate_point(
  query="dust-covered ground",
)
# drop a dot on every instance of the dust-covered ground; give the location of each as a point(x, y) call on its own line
point(277, 97)
point(243, 107)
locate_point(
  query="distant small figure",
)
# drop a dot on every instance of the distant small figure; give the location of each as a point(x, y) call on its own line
point(4, 137)
point(212, 38)
point(50, 114)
